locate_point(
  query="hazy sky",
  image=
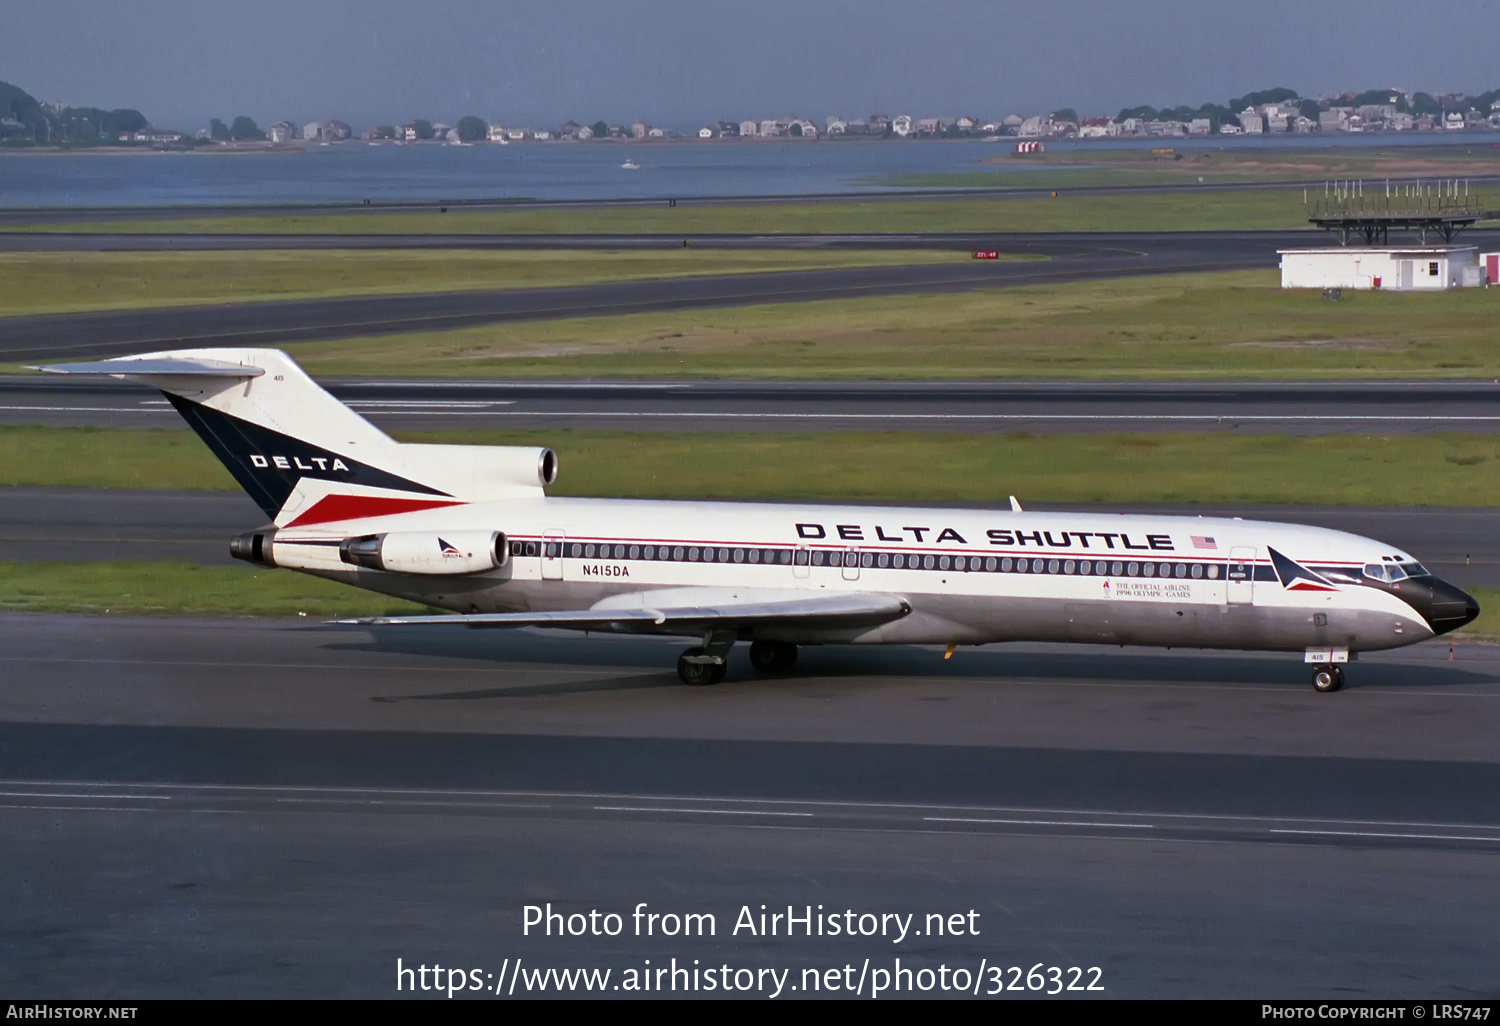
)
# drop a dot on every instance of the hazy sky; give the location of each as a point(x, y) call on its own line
point(681, 63)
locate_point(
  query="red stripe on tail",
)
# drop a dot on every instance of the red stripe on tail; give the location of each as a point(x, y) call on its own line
point(357, 507)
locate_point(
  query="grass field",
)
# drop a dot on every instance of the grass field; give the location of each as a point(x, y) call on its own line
point(1424, 470)
point(1218, 326)
point(33, 283)
point(1082, 211)
point(1174, 164)
point(183, 589)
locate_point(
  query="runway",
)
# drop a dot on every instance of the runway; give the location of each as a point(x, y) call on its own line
point(81, 335)
point(1058, 244)
point(256, 808)
point(80, 524)
point(1071, 257)
point(964, 407)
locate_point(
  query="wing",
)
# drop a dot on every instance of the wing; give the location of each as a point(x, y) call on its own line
point(687, 611)
point(150, 367)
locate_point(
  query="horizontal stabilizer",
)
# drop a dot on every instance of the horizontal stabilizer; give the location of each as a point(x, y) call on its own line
point(665, 612)
point(197, 368)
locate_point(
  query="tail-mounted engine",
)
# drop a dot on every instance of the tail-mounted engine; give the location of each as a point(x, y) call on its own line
point(254, 547)
point(427, 552)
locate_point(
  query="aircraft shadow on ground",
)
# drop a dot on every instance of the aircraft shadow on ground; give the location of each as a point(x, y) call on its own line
point(572, 687)
point(656, 658)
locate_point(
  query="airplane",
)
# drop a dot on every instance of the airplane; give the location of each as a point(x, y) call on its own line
point(470, 529)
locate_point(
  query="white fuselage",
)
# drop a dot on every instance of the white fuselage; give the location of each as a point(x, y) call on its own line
point(970, 576)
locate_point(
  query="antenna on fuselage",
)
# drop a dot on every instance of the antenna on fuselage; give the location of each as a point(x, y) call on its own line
point(1015, 505)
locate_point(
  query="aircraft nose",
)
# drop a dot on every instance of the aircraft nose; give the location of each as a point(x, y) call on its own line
point(1451, 607)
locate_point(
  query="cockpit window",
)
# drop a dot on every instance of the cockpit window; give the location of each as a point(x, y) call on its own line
point(1393, 572)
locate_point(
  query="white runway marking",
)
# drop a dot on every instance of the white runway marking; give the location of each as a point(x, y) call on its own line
point(249, 799)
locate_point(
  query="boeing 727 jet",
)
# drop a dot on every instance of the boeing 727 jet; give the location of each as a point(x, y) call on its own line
point(471, 529)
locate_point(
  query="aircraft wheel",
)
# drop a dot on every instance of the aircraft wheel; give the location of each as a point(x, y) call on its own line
point(698, 674)
point(1327, 678)
point(773, 656)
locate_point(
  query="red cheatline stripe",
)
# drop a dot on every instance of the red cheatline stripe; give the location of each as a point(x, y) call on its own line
point(357, 507)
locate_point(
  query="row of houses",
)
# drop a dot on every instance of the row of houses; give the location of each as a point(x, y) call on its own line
point(1263, 119)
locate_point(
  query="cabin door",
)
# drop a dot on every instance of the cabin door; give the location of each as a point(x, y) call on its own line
point(1240, 575)
point(553, 543)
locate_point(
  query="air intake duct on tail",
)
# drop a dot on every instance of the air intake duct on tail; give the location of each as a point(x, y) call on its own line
point(427, 552)
point(254, 547)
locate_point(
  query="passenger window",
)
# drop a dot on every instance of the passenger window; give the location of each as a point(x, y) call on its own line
point(1116, 569)
point(1133, 569)
point(943, 563)
point(1052, 567)
point(1005, 565)
point(885, 559)
point(989, 564)
point(1085, 567)
point(1181, 570)
point(801, 556)
point(635, 552)
point(817, 557)
point(1197, 570)
point(1068, 566)
point(928, 562)
point(1213, 572)
point(1149, 569)
point(677, 553)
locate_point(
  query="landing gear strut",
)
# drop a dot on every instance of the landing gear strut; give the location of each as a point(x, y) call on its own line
point(1327, 678)
point(773, 656)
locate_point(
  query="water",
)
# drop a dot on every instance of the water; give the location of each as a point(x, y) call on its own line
point(387, 173)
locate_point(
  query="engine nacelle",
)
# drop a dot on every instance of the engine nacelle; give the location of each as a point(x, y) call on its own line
point(427, 552)
point(256, 547)
point(482, 472)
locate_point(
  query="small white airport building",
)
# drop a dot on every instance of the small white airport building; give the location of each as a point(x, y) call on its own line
point(1382, 267)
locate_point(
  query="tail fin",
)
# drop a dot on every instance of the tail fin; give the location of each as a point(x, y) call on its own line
point(305, 457)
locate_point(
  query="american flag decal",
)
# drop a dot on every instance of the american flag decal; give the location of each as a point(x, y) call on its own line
point(1201, 541)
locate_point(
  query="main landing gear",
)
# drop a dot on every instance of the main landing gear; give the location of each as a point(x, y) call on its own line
point(697, 667)
point(1327, 678)
point(704, 665)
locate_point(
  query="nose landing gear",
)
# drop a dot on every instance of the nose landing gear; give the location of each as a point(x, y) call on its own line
point(1327, 678)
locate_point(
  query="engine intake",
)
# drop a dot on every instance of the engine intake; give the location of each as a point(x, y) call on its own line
point(427, 552)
